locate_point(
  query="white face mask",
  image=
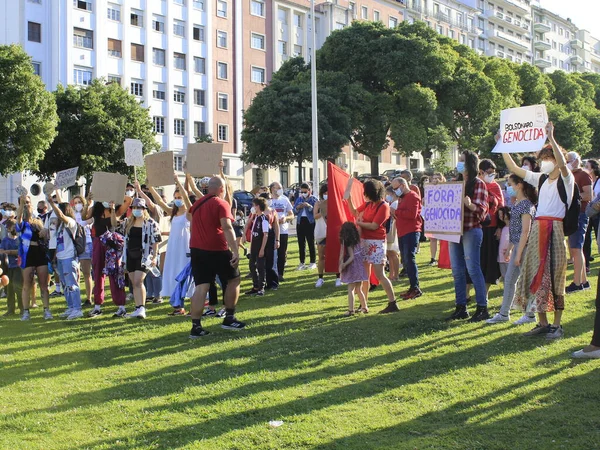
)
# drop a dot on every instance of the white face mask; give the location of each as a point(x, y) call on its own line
point(253, 210)
point(489, 178)
point(9, 213)
point(525, 167)
point(79, 207)
point(279, 192)
point(129, 193)
point(389, 198)
point(304, 194)
point(324, 196)
point(547, 167)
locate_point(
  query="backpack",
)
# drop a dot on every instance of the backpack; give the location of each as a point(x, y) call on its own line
point(571, 219)
point(79, 240)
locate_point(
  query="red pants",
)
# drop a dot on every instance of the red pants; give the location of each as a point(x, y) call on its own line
point(98, 259)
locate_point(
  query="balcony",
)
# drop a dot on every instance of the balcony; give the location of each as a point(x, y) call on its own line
point(595, 54)
point(542, 27)
point(540, 44)
point(500, 54)
point(543, 62)
point(524, 8)
point(513, 39)
point(576, 60)
point(576, 43)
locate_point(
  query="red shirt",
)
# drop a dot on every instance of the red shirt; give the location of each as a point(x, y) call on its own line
point(374, 213)
point(415, 189)
point(408, 214)
point(495, 201)
point(582, 179)
point(207, 233)
point(473, 219)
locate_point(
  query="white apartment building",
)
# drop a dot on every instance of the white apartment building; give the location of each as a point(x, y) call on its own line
point(555, 42)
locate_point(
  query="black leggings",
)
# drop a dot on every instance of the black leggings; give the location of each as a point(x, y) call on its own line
point(587, 244)
point(282, 254)
point(306, 234)
point(596, 335)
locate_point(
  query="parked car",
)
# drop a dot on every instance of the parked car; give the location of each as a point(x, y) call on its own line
point(244, 200)
point(392, 173)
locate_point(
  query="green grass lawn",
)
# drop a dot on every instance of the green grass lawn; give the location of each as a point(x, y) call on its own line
point(406, 380)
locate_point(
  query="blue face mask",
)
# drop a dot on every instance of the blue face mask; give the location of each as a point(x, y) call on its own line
point(136, 212)
point(511, 191)
point(178, 202)
point(460, 166)
point(106, 204)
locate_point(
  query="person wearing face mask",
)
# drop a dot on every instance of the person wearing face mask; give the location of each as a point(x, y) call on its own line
point(530, 163)
point(42, 210)
point(285, 212)
point(177, 256)
point(305, 226)
point(593, 168)
point(407, 175)
point(465, 255)
point(320, 214)
point(583, 181)
point(409, 225)
point(142, 236)
point(9, 246)
point(541, 286)
point(85, 259)
point(392, 248)
point(437, 177)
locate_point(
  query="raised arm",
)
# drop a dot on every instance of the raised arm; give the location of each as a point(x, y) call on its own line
point(113, 215)
point(558, 154)
point(149, 203)
point(20, 208)
point(124, 206)
point(159, 200)
point(192, 184)
point(183, 192)
point(510, 164)
point(56, 209)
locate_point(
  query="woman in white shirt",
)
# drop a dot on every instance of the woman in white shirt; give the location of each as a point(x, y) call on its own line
point(83, 218)
point(541, 287)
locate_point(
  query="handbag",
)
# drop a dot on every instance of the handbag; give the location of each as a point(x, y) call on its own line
point(320, 229)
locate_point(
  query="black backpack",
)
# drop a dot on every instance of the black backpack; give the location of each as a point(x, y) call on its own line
point(571, 219)
point(79, 240)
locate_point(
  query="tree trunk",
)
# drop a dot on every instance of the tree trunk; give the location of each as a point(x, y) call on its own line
point(300, 180)
point(374, 166)
point(427, 154)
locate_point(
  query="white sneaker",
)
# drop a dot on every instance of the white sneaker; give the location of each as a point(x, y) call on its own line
point(524, 319)
point(312, 266)
point(139, 313)
point(580, 354)
point(66, 314)
point(498, 318)
point(301, 267)
point(320, 282)
point(338, 282)
point(25, 316)
point(75, 314)
point(48, 315)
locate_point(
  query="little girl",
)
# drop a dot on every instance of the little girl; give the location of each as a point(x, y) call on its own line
point(352, 268)
point(503, 220)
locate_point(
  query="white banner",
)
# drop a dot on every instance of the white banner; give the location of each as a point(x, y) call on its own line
point(66, 178)
point(522, 130)
point(133, 152)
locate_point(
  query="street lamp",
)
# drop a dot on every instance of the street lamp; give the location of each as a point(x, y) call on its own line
point(313, 89)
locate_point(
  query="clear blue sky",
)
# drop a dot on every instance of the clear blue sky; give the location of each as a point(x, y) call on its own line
point(584, 13)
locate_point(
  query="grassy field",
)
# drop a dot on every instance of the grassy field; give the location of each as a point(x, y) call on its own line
point(407, 380)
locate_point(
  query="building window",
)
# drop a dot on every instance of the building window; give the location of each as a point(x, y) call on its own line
point(179, 61)
point(439, 29)
point(158, 56)
point(364, 12)
point(83, 38)
point(37, 68)
point(137, 18)
point(297, 20)
point(297, 50)
point(198, 4)
point(198, 33)
point(258, 75)
point(178, 28)
point(222, 102)
point(114, 79)
point(114, 48)
point(159, 124)
point(221, 8)
point(199, 65)
point(257, 41)
point(199, 129)
point(179, 94)
point(257, 8)
point(376, 16)
point(222, 39)
point(223, 133)
point(114, 12)
point(178, 163)
point(83, 4)
point(282, 48)
point(137, 52)
point(158, 23)
point(34, 32)
point(179, 127)
point(282, 16)
point(137, 88)
point(82, 77)
point(158, 92)
point(179, 2)
point(393, 22)
point(222, 70)
point(199, 97)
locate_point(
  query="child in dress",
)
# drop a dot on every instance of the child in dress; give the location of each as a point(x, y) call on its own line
point(503, 216)
point(352, 268)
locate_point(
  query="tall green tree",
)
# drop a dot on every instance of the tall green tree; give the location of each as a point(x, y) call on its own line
point(536, 87)
point(28, 116)
point(94, 122)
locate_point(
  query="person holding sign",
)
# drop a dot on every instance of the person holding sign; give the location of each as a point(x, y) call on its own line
point(80, 205)
point(465, 255)
point(541, 287)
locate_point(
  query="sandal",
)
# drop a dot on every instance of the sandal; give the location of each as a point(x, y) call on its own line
point(177, 312)
point(363, 310)
point(348, 313)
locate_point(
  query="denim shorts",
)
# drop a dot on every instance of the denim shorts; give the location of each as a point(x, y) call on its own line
point(88, 251)
point(576, 239)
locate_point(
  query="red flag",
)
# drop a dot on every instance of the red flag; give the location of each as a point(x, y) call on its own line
point(444, 258)
point(338, 212)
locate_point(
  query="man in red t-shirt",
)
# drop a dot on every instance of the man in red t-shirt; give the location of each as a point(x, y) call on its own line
point(407, 175)
point(214, 251)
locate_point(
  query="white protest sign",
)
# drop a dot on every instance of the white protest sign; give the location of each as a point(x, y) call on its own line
point(443, 208)
point(133, 152)
point(49, 189)
point(21, 190)
point(522, 130)
point(66, 178)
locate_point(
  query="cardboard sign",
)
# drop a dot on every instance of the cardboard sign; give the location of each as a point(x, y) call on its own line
point(21, 190)
point(49, 189)
point(159, 169)
point(203, 159)
point(66, 178)
point(443, 208)
point(134, 155)
point(109, 187)
point(522, 130)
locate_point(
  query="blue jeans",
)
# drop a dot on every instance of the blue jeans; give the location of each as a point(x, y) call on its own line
point(69, 278)
point(465, 257)
point(153, 285)
point(408, 248)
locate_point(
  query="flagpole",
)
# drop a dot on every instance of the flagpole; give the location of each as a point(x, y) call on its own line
point(313, 88)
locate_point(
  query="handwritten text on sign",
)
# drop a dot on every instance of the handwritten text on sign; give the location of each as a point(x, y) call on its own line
point(522, 130)
point(133, 152)
point(66, 178)
point(443, 208)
